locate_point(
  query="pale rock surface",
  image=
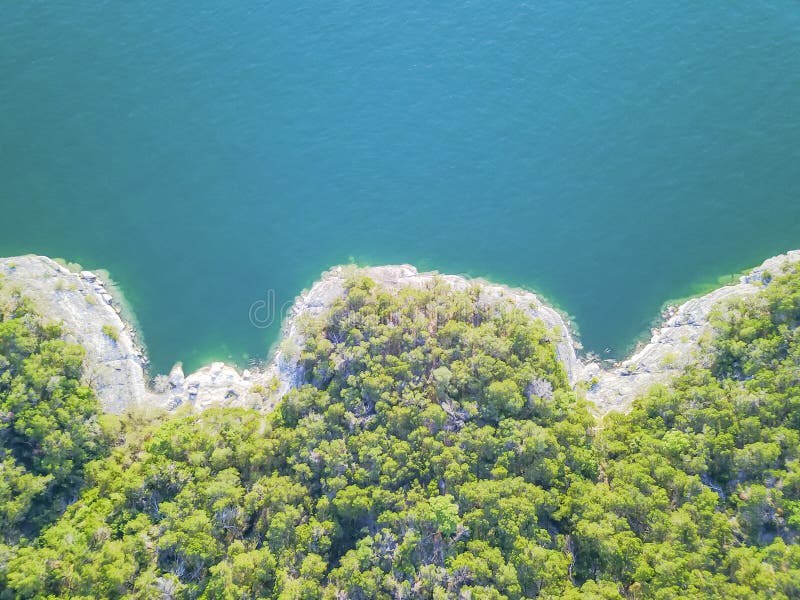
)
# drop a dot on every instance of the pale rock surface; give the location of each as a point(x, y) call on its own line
point(675, 343)
point(117, 369)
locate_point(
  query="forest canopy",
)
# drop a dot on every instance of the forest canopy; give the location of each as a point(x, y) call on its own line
point(436, 450)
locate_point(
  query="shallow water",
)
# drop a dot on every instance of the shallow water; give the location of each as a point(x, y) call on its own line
point(609, 155)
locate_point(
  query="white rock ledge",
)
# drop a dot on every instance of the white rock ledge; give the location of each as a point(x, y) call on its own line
point(114, 368)
point(675, 343)
point(117, 368)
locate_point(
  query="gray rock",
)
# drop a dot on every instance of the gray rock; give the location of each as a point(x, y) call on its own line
point(117, 371)
point(176, 377)
point(676, 343)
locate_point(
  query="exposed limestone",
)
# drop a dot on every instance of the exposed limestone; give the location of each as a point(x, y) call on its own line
point(114, 367)
point(675, 344)
point(117, 368)
point(219, 384)
point(222, 385)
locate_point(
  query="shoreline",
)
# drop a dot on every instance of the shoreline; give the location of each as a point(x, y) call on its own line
point(119, 369)
point(675, 342)
point(114, 361)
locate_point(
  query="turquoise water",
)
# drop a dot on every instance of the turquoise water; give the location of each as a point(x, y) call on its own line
point(610, 155)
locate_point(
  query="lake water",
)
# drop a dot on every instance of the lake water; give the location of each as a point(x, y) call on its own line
point(610, 155)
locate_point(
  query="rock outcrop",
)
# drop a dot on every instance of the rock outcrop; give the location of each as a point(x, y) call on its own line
point(393, 277)
point(116, 365)
point(675, 343)
point(222, 385)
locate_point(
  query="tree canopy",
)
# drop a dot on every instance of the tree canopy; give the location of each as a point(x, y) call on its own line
point(48, 421)
point(436, 450)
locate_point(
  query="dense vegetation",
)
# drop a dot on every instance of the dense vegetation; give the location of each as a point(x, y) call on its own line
point(437, 451)
point(48, 424)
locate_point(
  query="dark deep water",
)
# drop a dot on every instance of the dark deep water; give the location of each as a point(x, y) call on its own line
point(610, 155)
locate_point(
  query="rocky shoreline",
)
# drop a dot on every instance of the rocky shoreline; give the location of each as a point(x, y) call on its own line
point(116, 366)
point(675, 343)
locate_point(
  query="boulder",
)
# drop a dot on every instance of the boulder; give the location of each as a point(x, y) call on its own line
point(176, 377)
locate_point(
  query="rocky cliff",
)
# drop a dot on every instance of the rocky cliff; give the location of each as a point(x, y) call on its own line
point(116, 365)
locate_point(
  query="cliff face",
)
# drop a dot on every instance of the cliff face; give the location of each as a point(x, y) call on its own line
point(90, 316)
point(116, 366)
